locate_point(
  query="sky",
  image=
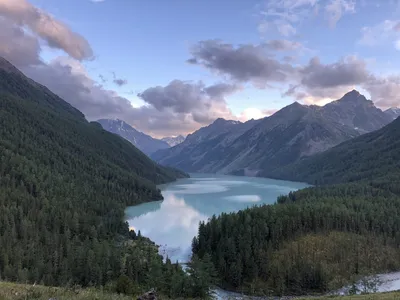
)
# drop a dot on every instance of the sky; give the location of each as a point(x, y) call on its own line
point(171, 67)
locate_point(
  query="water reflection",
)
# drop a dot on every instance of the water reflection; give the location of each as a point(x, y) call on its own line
point(173, 222)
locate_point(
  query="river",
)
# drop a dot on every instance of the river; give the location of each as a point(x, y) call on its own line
point(173, 222)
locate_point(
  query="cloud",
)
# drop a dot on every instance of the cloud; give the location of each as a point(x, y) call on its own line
point(251, 113)
point(102, 78)
point(203, 103)
point(380, 34)
point(244, 63)
point(286, 15)
point(283, 45)
point(57, 34)
point(119, 81)
point(221, 89)
point(17, 46)
point(313, 83)
point(180, 106)
point(269, 111)
point(319, 83)
point(292, 91)
point(347, 71)
point(255, 113)
point(384, 91)
point(68, 78)
point(181, 115)
point(284, 28)
point(335, 9)
point(289, 59)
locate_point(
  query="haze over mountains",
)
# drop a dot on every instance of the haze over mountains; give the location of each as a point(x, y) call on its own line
point(294, 132)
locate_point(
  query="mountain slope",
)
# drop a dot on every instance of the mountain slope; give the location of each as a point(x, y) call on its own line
point(393, 112)
point(173, 140)
point(355, 111)
point(289, 134)
point(142, 141)
point(64, 185)
point(204, 150)
point(367, 157)
point(260, 146)
point(321, 238)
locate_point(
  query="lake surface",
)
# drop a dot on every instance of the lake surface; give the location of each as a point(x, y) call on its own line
point(173, 222)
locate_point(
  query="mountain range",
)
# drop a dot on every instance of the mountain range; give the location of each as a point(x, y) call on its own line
point(146, 143)
point(259, 146)
point(143, 142)
point(369, 157)
point(173, 140)
point(393, 112)
point(317, 239)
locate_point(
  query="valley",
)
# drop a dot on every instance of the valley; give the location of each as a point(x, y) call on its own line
point(173, 222)
point(349, 220)
point(198, 150)
point(70, 190)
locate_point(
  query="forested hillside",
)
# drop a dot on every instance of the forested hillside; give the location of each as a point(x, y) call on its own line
point(319, 238)
point(64, 185)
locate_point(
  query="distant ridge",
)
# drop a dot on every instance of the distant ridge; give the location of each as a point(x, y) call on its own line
point(367, 157)
point(393, 112)
point(295, 131)
point(142, 141)
point(173, 141)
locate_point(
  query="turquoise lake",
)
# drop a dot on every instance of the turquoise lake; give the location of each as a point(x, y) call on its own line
point(172, 223)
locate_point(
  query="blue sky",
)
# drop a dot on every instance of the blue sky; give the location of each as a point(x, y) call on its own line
point(146, 44)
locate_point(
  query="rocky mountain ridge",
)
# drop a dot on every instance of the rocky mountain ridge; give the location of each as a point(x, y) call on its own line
point(143, 142)
point(295, 131)
point(173, 140)
point(393, 112)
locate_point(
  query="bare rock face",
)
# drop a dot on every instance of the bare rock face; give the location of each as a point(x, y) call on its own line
point(150, 295)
